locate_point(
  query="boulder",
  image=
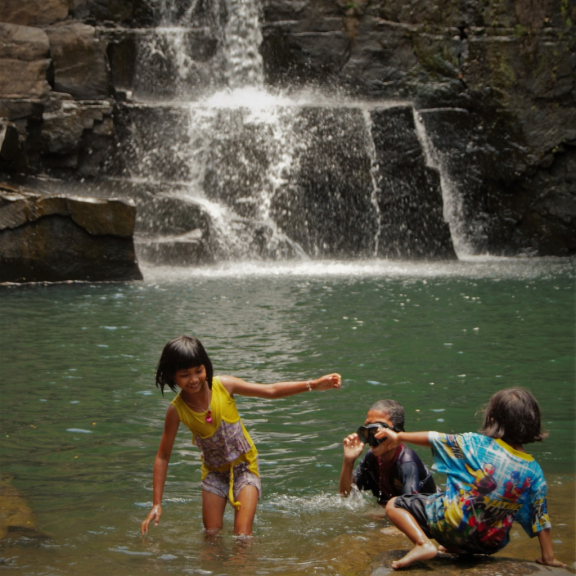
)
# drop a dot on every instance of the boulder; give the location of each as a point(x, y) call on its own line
point(52, 238)
point(33, 12)
point(24, 62)
point(80, 64)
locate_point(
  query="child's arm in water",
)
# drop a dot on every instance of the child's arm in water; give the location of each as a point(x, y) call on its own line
point(547, 558)
point(280, 389)
point(353, 447)
point(171, 423)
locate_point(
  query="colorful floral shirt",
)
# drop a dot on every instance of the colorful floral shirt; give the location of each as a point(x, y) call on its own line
point(489, 485)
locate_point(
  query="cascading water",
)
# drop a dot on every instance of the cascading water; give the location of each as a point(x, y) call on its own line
point(463, 238)
point(242, 39)
point(235, 172)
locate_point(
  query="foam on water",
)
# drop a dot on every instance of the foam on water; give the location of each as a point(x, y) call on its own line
point(471, 267)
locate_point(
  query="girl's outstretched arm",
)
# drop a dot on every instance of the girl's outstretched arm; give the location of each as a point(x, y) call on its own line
point(418, 438)
point(171, 423)
point(279, 389)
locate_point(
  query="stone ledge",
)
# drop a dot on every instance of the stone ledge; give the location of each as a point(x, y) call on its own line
point(52, 238)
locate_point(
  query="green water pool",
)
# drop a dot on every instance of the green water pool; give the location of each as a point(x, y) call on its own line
point(81, 418)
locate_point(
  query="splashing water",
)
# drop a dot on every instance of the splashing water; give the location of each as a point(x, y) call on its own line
point(239, 151)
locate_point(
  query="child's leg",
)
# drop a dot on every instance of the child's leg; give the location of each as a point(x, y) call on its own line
point(213, 511)
point(244, 518)
point(423, 547)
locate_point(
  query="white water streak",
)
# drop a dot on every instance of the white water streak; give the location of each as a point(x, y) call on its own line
point(371, 147)
point(452, 200)
point(242, 36)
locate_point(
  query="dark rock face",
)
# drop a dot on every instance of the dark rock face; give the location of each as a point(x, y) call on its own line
point(412, 222)
point(58, 238)
point(24, 62)
point(332, 181)
point(11, 156)
point(80, 66)
point(494, 83)
point(505, 73)
point(33, 12)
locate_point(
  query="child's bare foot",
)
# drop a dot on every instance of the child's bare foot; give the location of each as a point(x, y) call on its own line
point(419, 552)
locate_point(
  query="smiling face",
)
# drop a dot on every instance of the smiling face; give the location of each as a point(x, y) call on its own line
point(377, 416)
point(191, 380)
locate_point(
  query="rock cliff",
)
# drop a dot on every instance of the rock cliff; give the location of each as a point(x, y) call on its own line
point(494, 82)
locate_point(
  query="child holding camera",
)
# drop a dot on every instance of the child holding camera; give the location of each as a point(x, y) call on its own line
point(387, 470)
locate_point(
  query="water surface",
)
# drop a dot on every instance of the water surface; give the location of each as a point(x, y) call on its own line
point(81, 418)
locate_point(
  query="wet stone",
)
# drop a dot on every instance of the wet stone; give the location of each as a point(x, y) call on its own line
point(449, 565)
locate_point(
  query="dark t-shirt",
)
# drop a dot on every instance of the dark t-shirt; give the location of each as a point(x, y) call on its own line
point(405, 474)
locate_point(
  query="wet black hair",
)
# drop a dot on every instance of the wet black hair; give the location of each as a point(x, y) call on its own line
point(180, 354)
point(513, 415)
point(393, 409)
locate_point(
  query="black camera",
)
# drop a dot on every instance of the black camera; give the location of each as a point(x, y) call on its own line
point(366, 433)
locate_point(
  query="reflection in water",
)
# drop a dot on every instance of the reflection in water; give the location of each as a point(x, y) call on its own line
point(440, 338)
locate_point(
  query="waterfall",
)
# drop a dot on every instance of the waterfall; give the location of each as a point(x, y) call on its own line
point(462, 239)
point(374, 177)
point(244, 66)
point(232, 171)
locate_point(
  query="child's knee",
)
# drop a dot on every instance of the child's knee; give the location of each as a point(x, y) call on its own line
point(390, 507)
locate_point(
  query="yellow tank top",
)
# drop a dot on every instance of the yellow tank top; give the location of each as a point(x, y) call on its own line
point(224, 442)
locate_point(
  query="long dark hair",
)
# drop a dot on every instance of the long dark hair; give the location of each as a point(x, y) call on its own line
point(513, 415)
point(180, 354)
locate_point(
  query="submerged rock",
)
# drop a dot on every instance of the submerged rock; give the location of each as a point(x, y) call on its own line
point(16, 517)
point(58, 238)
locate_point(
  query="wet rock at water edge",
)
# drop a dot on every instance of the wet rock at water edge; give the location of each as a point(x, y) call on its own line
point(468, 565)
point(52, 238)
point(16, 518)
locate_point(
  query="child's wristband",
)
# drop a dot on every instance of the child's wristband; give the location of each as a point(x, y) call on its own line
point(309, 386)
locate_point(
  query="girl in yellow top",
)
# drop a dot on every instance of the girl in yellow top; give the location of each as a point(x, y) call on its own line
point(205, 403)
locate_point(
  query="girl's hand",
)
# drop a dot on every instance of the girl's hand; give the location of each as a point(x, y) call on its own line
point(391, 435)
point(553, 562)
point(353, 447)
point(326, 382)
point(154, 514)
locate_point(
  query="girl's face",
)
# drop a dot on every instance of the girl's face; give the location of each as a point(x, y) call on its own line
point(191, 379)
point(376, 416)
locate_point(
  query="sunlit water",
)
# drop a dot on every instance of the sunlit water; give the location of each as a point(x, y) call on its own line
point(81, 418)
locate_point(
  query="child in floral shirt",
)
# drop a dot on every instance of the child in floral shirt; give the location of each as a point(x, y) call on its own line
point(491, 482)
